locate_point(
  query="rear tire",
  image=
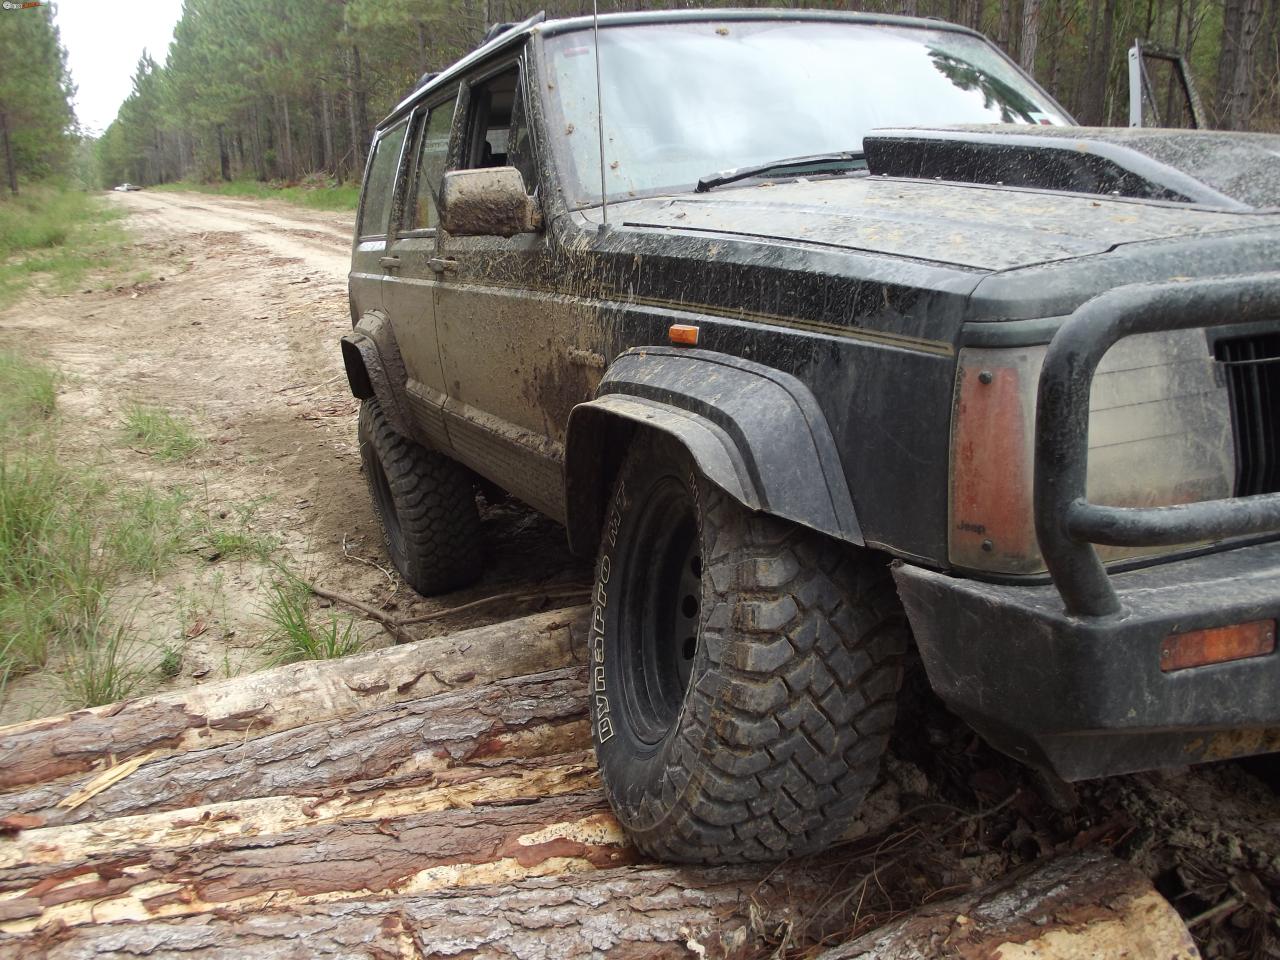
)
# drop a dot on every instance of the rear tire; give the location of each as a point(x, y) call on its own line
point(425, 505)
point(744, 669)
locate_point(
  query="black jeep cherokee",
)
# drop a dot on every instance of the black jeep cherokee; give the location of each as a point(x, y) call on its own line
point(845, 337)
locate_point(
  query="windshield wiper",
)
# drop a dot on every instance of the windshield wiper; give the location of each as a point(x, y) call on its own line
point(819, 160)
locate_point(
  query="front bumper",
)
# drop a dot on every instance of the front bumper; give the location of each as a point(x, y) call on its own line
point(1085, 696)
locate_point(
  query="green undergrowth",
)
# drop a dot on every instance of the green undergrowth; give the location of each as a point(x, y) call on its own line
point(316, 194)
point(297, 632)
point(166, 437)
point(71, 533)
point(53, 237)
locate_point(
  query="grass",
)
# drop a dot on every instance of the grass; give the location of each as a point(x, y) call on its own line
point(167, 438)
point(55, 236)
point(28, 394)
point(44, 545)
point(101, 664)
point(235, 538)
point(66, 535)
point(316, 194)
point(296, 636)
point(148, 529)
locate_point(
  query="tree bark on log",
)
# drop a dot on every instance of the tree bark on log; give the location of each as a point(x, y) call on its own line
point(325, 860)
point(653, 912)
point(1052, 913)
point(401, 743)
point(1087, 906)
point(235, 710)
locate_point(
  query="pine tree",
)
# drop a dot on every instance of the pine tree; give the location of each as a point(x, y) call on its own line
point(37, 124)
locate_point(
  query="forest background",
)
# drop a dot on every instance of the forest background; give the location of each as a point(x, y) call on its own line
point(284, 91)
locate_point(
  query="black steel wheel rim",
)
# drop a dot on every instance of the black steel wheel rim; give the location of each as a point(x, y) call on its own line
point(660, 610)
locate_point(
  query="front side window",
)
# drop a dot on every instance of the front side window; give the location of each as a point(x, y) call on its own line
point(379, 189)
point(686, 100)
point(498, 132)
point(433, 154)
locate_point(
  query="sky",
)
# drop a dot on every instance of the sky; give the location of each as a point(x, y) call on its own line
point(104, 41)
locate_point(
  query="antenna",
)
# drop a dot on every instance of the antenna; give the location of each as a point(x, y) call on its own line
point(604, 199)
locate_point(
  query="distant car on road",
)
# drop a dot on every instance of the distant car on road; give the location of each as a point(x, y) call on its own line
point(126, 187)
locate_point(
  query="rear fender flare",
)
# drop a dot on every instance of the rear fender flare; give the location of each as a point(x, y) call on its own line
point(755, 432)
point(374, 367)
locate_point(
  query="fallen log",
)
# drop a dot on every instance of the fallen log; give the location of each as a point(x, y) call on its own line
point(1088, 906)
point(237, 709)
point(401, 842)
point(397, 744)
point(36, 853)
point(653, 912)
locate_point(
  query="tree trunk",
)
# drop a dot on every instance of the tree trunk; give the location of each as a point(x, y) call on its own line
point(10, 170)
point(1005, 35)
point(423, 66)
point(356, 108)
point(402, 743)
point(224, 159)
point(230, 711)
point(1240, 24)
point(1030, 35)
point(259, 154)
point(1083, 905)
point(326, 132)
point(287, 141)
point(1094, 102)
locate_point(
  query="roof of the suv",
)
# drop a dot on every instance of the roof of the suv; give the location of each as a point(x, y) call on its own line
point(538, 22)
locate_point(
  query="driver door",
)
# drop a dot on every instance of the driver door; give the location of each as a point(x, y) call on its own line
point(506, 336)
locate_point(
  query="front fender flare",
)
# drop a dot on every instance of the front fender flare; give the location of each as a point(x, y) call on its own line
point(755, 432)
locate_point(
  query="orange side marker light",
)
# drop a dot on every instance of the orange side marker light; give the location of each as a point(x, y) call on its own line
point(683, 334)
point(1217, 645)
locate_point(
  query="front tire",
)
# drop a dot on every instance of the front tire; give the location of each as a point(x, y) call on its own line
point(425, 504)
point(744, 670)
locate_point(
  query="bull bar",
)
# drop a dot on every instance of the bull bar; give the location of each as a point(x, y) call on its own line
point(1067, 524)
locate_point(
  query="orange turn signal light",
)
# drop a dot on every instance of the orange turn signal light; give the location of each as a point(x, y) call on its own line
point(1217, 645)
point(683, 333)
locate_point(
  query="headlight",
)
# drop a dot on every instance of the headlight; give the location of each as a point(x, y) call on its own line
point(1159, 434)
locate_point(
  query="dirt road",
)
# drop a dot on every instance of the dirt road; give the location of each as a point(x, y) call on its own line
point(237, 330)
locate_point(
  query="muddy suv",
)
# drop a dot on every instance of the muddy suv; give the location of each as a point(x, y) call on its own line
point(845, 337)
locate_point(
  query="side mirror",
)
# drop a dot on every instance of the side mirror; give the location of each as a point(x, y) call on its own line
point(488, 202)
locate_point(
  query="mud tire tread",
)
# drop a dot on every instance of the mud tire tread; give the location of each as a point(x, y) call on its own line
point(782, 733)
point(437, 546)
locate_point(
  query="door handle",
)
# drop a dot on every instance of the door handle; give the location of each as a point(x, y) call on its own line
point(389, 262)
point(442, 265)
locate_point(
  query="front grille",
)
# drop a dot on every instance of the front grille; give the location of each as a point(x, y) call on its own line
point(1252, 366)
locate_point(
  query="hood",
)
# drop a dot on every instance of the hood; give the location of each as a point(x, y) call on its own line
point(979, 226)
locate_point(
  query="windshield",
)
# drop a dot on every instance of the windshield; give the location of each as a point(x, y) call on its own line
point(686, 100)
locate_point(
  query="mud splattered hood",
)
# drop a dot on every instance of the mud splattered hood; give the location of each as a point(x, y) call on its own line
point(986, 225)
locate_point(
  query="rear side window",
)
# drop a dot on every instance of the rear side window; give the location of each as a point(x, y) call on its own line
point(433, 154)
point(379, 189)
